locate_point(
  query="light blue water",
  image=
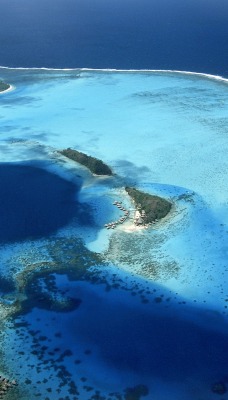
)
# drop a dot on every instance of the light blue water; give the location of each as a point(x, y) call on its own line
point(166, 133)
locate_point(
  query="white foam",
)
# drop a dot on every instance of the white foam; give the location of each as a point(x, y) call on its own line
point(84, 69)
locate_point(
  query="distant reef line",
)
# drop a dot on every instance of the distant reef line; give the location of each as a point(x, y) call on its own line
point(86, 69)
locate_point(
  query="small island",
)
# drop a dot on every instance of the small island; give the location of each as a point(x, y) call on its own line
point(4, 86)
point(150, 208)
point(95, 165)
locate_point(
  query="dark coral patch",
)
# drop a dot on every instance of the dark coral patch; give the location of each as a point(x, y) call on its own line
point(219, 388)
point(136, 392)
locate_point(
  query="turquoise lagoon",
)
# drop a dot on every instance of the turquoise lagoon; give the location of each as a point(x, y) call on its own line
point(148, 308)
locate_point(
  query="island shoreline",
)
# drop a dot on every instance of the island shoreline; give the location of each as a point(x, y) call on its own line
point(10, 89)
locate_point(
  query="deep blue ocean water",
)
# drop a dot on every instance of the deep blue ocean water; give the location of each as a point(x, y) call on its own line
point(187, 35)
point(36, 203)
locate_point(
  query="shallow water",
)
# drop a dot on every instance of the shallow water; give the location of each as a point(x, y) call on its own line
point(129, 306)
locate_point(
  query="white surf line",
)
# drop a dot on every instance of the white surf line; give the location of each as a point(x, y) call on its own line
point(152, 71)
point(200, 74)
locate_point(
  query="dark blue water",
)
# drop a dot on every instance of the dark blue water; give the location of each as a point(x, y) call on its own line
point(156, 34)
point(144, 341)
point(162, 344)
point(36, 203)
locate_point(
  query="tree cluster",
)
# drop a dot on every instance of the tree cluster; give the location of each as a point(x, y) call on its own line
point(154, 207)
point(95, 165)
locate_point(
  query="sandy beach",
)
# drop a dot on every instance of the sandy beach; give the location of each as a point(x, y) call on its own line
point(131, 227)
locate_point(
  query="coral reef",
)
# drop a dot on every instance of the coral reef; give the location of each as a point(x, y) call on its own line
point(219, 388)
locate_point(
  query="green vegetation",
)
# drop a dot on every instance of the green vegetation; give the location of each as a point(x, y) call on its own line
point(96, 166)
point(150, 207)
point(4, 86)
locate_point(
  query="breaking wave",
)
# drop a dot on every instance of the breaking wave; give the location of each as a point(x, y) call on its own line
point(199, 74)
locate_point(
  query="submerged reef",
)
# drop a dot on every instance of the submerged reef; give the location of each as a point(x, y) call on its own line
point(140, 253)
point(4, 86)
point(95, 165)
point(150, 207)
point(219, 388)
point(5, 385)
point(136, 392)
point(66, 256)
